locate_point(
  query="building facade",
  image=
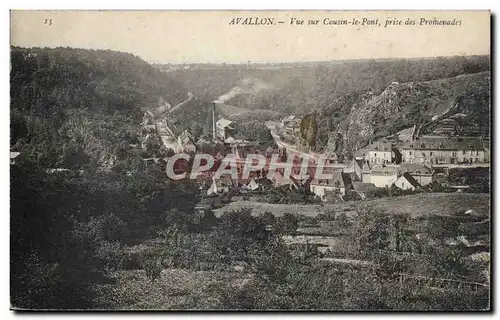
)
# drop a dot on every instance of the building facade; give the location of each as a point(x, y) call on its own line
point(338, 183)
point(383, 177)
point(379, 153)
point(444, 151)
point(421, 173)
point(407, 182)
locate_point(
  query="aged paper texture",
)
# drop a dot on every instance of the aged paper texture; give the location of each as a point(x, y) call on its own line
point(250, 160)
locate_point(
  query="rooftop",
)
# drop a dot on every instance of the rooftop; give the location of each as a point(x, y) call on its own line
point(384, 171)
point(445, 143)
point(339, 180)
point(411, 180)
point(223, 123)
point(379, 146)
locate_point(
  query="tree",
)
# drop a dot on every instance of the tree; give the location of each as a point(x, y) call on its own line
point(372, 230)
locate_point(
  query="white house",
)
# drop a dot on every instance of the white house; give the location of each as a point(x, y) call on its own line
point(407, 182)
point(384, 176)
point(379, 153)
point(339, 183)
point(439, 150)
point(421, 173)
point(13, 156)
point(224, 128)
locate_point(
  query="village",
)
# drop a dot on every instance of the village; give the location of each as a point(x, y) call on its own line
point(410, 163)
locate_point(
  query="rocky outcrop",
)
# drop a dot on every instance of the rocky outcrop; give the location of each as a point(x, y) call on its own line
point(403, 105)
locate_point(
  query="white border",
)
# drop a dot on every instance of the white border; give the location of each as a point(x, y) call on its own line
point(205, 5)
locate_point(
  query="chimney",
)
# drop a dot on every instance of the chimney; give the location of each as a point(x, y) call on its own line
point(214, 136)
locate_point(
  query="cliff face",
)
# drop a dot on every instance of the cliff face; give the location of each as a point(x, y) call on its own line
point(402, 105)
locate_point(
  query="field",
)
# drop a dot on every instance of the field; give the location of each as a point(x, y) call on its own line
point(416, 205)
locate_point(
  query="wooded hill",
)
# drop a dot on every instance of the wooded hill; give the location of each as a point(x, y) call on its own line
point(338, 90)
point(72, 107)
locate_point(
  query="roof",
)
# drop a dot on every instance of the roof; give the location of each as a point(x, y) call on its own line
point(384, 171)
point(379, 146)
point(161, 110)
point(188, 134)
point(223, 123)
point(359, 153)
point(252, 185)
point(366, 166)
point(224, 181)
point(280, 180)
point(14, 155)
point(330, 154)
point(339, 180)
point(415, 168)
point(444, 143)
point(288, 118)
point(363, 164)
point(363, 187)
point(410, 180)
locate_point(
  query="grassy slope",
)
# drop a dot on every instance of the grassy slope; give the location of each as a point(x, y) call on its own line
point(418, 204)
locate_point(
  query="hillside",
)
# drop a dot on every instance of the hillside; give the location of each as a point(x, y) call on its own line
point(243, 114)
point(76, 107)
point(296, 88)
point(402, 105)
point(355, 100)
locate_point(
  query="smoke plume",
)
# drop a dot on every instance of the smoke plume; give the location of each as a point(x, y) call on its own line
point(246, 86)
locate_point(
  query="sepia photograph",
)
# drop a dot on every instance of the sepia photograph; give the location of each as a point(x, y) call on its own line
point(232, 160)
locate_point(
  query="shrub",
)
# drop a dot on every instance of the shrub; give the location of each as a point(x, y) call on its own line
point(236, 232)
point(287, 224)
point(153, 268)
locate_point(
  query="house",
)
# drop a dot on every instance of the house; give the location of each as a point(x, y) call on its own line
point(148, 118)
point(167, 132)
point(224, 128)
point(383, 176)
point(366, 172)
point(286, 120)
point(338, 183)
point(407, 182)
point(241, 148)
point(363, 189)
point(293, 128)
point(13, 156)
point(361, 169)
point(441, 150)
point(220, 186)
point(185, 139)
point(290, 124)
point(151, 140)
point(281, 181)
point(330, 157)
point(420, 172)
point(359, 155)
point(252, 185)
point(379, 153)
point(265, 183)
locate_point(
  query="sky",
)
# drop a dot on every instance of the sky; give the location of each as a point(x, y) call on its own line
point(208, 36)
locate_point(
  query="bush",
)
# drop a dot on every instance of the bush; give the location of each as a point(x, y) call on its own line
point(287, 224)
point(236, 232)
point(153, 268)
